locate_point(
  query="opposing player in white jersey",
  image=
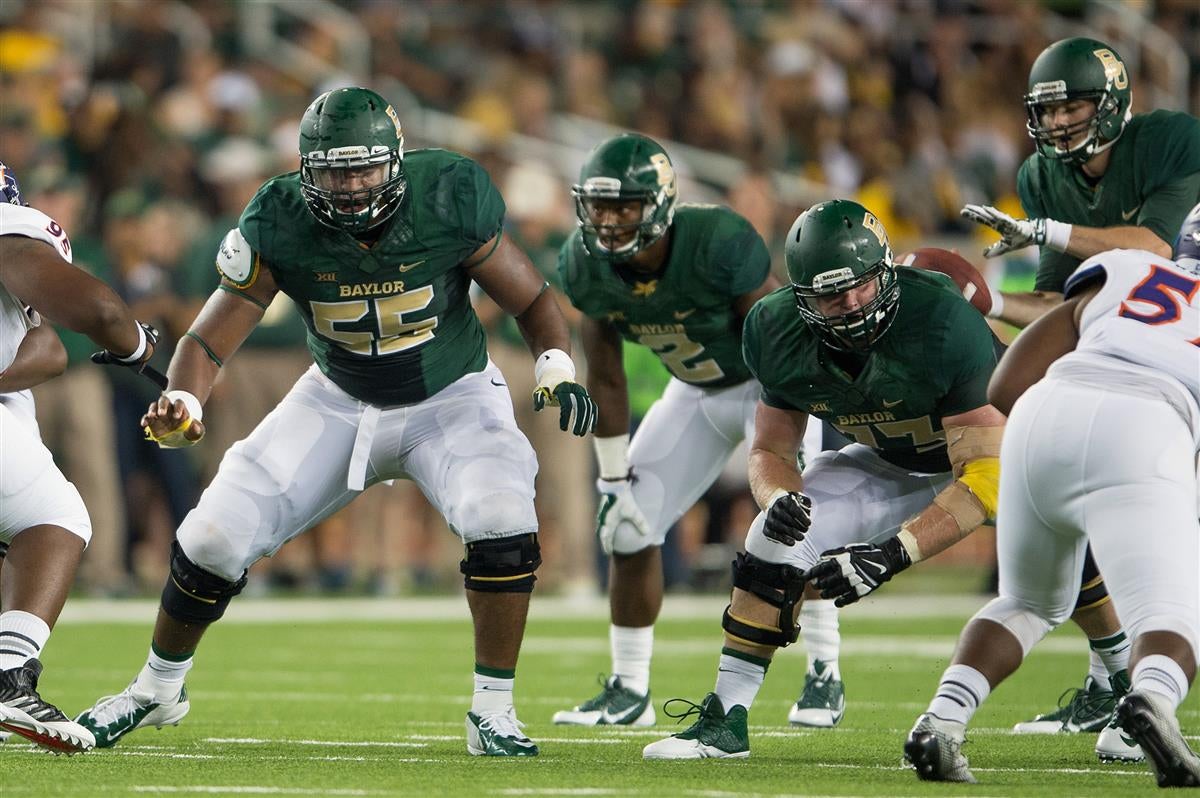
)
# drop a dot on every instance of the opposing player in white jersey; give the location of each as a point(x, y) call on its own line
point(1100, 448)
point(43, 524)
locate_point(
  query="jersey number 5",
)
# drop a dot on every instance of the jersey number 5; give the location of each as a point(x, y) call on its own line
point(392, 334)
point(1161, 289)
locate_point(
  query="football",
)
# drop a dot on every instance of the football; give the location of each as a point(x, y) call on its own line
point(968, 279)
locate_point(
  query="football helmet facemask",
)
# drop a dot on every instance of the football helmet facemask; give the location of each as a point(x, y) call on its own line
point(1083, 69)
point(834, 247)
point(624, 169)
point(10, 190)
point(352, 160)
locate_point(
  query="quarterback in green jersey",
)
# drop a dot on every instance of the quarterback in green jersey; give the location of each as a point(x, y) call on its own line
point(677, 279)
point(377, 248)
point(898, 361)
point(1102, 178)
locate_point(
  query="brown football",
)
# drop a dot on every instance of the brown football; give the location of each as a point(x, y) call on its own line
point(968, 279)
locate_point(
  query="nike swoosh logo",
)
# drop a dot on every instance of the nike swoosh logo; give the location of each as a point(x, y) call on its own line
point(1129, 215)
point(499, 384)
point(889, 405)
point(878, 568)
point(680, 315)
point(616, 718)
point(407, 266)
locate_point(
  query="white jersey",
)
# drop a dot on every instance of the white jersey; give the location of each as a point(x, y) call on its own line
point(16, 319)
point(1141, 332)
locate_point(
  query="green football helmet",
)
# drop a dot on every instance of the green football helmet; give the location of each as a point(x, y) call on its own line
point(1084, 69)
point(629, 167)
point(831, 248)
point(352, 160)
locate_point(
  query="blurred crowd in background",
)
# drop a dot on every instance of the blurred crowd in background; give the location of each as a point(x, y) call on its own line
point(144, 126)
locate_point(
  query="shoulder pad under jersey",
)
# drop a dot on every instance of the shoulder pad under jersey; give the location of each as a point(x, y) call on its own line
point(21, 220)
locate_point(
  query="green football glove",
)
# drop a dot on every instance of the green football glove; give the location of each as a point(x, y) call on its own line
point(576, 410)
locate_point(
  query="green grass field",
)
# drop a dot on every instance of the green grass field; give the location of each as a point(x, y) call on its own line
point(357, 698)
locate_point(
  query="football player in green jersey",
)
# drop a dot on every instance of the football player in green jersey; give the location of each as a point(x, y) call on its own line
point(1102, 178)
point(377, 248)
point(895, 359)
point(677, 279)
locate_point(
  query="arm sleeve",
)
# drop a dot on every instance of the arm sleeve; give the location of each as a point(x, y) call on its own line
point(740, 260)
point(1164, 210)
point(751, 349)
point(480, 206)
point(968, 359)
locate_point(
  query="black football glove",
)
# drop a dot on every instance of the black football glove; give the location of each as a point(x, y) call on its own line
point(848, 573)
point(788, 518)
point(106, 358)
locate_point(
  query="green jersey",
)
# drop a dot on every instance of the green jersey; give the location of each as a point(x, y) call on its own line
point(684, 314)
point(934, 361)
point(389, 323)
point(1152, 181)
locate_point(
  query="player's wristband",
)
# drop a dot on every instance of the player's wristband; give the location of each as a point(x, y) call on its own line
point(612, 455)
point(552, 367)
point(997, 305)
point(1058, 235)
point(195, 411)
point(139, 351)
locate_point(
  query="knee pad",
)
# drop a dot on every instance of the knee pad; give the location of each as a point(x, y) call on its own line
point(502, 565)
point(1092, 592)
point(779, 585)
point(1024, 624)
point(193, 595)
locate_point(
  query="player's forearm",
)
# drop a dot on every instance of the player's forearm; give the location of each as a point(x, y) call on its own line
point(1024, 308)
point(40, 357)
point(611, 395)
point(771, 472)
point(98, 313)
point(931, 531)
point(543, 327)
point(192, 369)
point(1088, 241)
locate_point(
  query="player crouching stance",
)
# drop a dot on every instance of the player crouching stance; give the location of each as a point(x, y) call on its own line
point(377, 249)
point(907, 380)
point(1101, 441)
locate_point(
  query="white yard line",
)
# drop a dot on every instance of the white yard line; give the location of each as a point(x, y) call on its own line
point(250, 790)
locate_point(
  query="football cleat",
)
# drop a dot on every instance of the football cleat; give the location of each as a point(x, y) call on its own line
point(616, 705)
point(715, 734)
point(498, 734)
point(1114, 745)
point(934, 749)
point(1149, 719)
point(114, 716)
point(1086, 709)
point(822, 702)
point(23, 712)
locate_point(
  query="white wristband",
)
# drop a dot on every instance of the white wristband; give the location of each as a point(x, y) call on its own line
point(141, 347)
point(195, 411)
point(612, 455)
point(1058, 235)
point(553, 363)
point(909, 541)
point(997, 305)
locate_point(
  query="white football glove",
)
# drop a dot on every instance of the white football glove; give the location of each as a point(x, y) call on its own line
point(1014, 233)
point(617, 507)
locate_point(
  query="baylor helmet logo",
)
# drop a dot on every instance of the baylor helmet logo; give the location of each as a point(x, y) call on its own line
point(1114, 70)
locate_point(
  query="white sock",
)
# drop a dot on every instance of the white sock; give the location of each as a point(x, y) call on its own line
point(738, 680)
point(632, 647)
point(1160, 674)
point(161, 676)
point(492, 694)
point(961, 691)
point(1108, 656)
point(23, 635)
point(822, 640)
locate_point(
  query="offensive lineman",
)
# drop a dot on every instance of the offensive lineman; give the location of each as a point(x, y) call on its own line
point(1101, 178)
point(377, 249)
point(678, 280)
point(1122, 357)
point(44, 525)
point(907, 381)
